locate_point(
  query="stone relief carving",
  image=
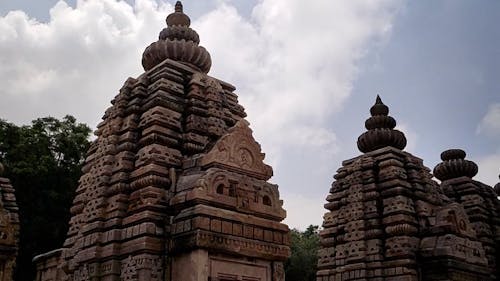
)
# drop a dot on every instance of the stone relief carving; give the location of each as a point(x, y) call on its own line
point(278, 271)
point(238, 149)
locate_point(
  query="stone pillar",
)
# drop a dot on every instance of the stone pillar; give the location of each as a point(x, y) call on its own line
point(9, 228)
point(192, 266)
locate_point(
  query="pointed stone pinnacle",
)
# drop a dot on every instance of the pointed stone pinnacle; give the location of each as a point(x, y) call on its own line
point(381, 132)
point(178, 7)
point(379, 108)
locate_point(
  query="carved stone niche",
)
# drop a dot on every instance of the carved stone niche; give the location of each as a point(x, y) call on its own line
point(231, 191)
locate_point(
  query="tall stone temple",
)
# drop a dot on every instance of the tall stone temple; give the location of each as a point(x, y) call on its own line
point(9, 228)
point(389, 220)
point(174, 187)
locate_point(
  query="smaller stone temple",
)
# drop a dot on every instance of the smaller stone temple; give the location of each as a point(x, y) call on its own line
point(389, 220)
point(175, 186)
point(479, 201)
point(9, 228)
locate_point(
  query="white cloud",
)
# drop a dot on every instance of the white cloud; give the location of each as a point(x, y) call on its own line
point(410, 134)
point(294, 63)
point(489, 165)
point(489, 169)
point(490, 124)
point(77, 61)
point(303, 211)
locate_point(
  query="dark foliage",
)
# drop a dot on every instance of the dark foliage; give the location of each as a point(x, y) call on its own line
point(43, 161)
point(301, 266)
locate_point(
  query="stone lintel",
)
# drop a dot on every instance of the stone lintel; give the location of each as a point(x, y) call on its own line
point(47, 255)
point(209, 211)
point(384, 153)
point(229, 244)
point(255, 210)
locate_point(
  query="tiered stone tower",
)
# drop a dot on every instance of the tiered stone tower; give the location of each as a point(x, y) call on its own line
point(478, 199)
point(174, 186)
point(388, 220)
point(9, 228)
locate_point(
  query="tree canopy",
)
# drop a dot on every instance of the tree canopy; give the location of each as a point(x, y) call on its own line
point(43, 161)
point(302, 264)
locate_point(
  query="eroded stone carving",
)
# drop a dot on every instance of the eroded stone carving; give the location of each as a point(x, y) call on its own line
point(237, 149)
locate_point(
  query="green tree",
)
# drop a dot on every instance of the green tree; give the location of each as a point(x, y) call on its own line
point(43, 160)
point(302, 264)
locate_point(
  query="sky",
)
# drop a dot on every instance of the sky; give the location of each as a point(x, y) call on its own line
point(306, 72)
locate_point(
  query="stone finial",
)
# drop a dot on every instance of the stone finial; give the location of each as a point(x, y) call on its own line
point(454, 165)
point(497, 188)
point(178, 17)
point(178, 7)
point(177, 42)
point(381, 131)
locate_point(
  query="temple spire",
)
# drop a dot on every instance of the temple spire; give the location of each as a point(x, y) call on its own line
point(177, 42)
point(381, 131)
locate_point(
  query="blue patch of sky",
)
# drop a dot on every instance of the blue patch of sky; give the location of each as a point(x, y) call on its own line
point(39, 9)
point(438, 73)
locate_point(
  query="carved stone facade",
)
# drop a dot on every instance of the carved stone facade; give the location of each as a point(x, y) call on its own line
point(9, 228)
point(389, 220)
point(479, 200)
point(174, 186)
